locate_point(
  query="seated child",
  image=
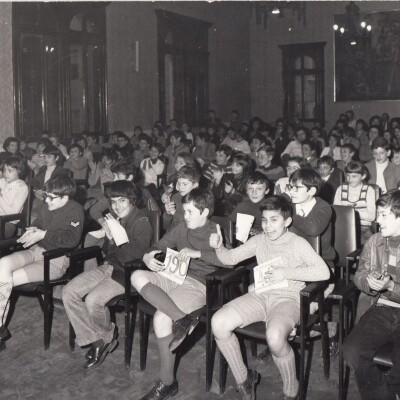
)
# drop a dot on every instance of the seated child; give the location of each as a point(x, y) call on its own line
point(256, 143)
point(204, 151)
point(25, 150)
point(396, 155)
point(76, 163)
point(38, 160)
point(293, 149)
point(258, 187)
point(333, 150)
point(378, 312)
point(59, 225)
point(187, 179)
point(143, 151)
point(317, 139)
point(223, 156)
point(13, 192)
point(91, 317)
point(265, 165)
point(100, 173)
point(230, 137)
point(11, 148)
point(278, 308)
point(152, 166)
point(176, 305)
point(347, 153)
point(332, 178)
point(176, 146)
point(293, 164)
point(310, 151)
point(356, 193)
point(240, 144)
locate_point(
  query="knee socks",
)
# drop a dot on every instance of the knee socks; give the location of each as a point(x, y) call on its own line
point(287, 368)
point(167, 360)
point(160, 300)
point(5, 293)
point(230, 348)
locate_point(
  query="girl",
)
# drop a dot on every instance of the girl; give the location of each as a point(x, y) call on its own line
point(13, 192)
point(38, 158)
point(176, 146)
point(333, 150)
point(356, 193)
point(294, 163)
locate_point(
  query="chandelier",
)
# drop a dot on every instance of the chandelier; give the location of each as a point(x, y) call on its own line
point(278, 9)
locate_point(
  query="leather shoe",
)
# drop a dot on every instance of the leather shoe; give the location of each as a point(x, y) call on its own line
point(2, 345)
point(247, 389)
point(90, 354)
point(161, 391)
point(181, 328)
point(98, 354)
point(4, 333)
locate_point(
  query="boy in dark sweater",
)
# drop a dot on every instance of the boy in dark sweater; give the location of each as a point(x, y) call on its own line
point(332, 178)
point(264, 159)
point(175, 303)
point(59, 225)
point(91, 318)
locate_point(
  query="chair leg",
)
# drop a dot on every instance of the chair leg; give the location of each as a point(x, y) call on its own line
point(71, 337)
point(130, 333)
point(48, 316)
point(340, 344)
point(223, 370)
point(144, 321)
point(210, 355)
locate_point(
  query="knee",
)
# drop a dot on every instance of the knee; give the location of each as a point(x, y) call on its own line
point(68, 293)
point(276, 338)
point(139, 279)
point(162, 324)
point(219, 324)
point(93, 302)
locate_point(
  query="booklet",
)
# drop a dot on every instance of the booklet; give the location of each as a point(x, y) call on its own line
point(260, 284)
point(175, 270)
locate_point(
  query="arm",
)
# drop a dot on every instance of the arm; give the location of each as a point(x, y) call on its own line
point(315, 223)
point(158, 167)
point(243, 252)
point(369, 214)
point(13, 202)
point(364, 269)
point(338, 197)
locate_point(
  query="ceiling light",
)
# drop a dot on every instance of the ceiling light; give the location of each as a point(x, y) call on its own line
point(275, 11)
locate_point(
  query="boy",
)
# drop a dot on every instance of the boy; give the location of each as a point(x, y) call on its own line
point(264, 159)
point(176, 146)
point(381, 171)
point(76, 163)
point(278, 308)
point(310, 150)
point(187, 179)
point(176, 304)
point(59, 225)
point(124, 146)
point(332, 178)
point(223, 156)
point(293, 149)
point(230, 137)
point(256, 143)
point(257, 188)
point(378, 279)
point(91, 318)
point(396, 155)
point(152, 166)
point(204, 151)
point(142, 152)
point(347, 152)
point(241, 145)
point(11, 148)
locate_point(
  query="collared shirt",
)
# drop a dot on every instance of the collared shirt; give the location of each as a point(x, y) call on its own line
point(303, 211)
point(380, 180)
point(325, 179)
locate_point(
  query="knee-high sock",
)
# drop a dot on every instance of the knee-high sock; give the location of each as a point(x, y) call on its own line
point(167, 360)
point(287, 368)
point(230, 348)
point(160, 300)
point(5, 293)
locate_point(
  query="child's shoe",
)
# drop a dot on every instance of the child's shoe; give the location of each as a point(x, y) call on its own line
point(248, 388)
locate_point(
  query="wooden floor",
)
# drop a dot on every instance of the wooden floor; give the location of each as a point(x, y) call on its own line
point(29, 372)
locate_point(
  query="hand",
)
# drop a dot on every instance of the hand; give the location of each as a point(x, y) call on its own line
point(218, 174)
point(106, 229)
point(117, 231)
point(152, 263)
point(229, 187)
point(170, 208)
point(378, 282)
point(31, 236)
point(38, 194)
point(63, 150)
point(92, 165)
point(166, 197)
point(274, 275)
point(216, 238)
point(186, 252)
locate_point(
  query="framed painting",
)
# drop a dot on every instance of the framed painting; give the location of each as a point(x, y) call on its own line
point(367, 56)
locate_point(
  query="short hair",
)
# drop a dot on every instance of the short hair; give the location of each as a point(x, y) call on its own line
point(258, 177)
point(357, 167)
point(244, 161)
point(61, 185)
point(203, 136)
point(349, 146)
point(326, 160)
point(44, 141)
point(121, 135)
point(76, 146)
point(124, 167)
point(390, 199)
point(125, 189)
point(299, 160)
point(202, 198)
point(336, 137)
point(81, 138)
point(145, 137)
point(261, 138)
point(188, 172)
point(178, 135)
point(138, 128)
point(187, 157)
point(380, 142)
point(158, 146)
point(93, 136)
point(277, 203)
point(270, 151)
point(52, 150)
point(308, 177)
point(8, 141)
point(225, 149)
point(396, 149)
point(17, 163)
point(302, 128)
point(312, 145)
point(111, 154)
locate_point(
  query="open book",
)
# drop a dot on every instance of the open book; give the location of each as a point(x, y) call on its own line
point(260, 284)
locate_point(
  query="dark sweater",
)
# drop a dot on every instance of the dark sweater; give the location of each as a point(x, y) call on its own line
point(172, 221)
point(195, 239)
point(63, 226)
point(38, 180)
point(249, 208)
point(328, 189)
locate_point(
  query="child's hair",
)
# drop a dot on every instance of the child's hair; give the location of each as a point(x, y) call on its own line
point(226, 149)
point(244, 161)
point(326, 160)
point(188, 172)
point(312, 145)
point(121, 135)
point(262, 139)
point(125, 189)
point(390, 199)
point(52, 150)
point(304, 129)
point(270, 151)
point(17, 163)
point(8, 141)
point(160, 130)
point(158, 146)
point(350, 147)
point(201, 198)
point(61, 185)
point(258, 177)
point(81, 138)
point(299, 160)
point(396, 149)
point(77, 146)
point(308, 177)
point(277, 203)
point(138, 128)
point(357, 167)
point(380, 142)
point(336, 137)
point(93, 136)
point(44, 141)
point(203, 136)
point(125, 167)
point(178, 135)
point(148, 139)
point(188, 158)
point(110, 154)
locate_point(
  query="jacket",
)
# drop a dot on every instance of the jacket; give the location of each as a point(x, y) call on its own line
point(391, 174)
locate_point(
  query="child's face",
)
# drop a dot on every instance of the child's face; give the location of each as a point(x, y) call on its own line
point(299, 193)
point(255, 144)
point(12, 147)
point(373, 133)
point(325, 170)
point(40, 148)
point(121, 141)
point(82, 143)
point(301, 135)
point(389, 224)
point(54, 201)
point(221, 158)
point(121, 206)
point(185, 127)
point(306, 149)
point(143, 145)
point(114, 139)
point(184, 186)
point(179, 163)
point(22, 145)
point(354, 179)
point(193, 217)
point(291, 167)
point(346, 154)
point(332, 141)
point(10, 174)
point(239, 138)
point(50, 159)
point(232, 134)
point(315, 133)
point(174, 141)
point(90, 140)
point(237, 169)
point(74, 153)
point(396, 158)
point(380, 155)
point(256, 191)
point(397, 133)
point(106, 161)
point(154, 153)
point(274, 225)
point(263, 158)
point(387, 135)
point(120, 176)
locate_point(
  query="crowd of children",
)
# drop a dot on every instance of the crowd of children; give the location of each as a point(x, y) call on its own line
point(284, 177)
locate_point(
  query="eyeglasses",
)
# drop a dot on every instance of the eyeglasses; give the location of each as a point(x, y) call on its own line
point(295, 188)
point(50, 196)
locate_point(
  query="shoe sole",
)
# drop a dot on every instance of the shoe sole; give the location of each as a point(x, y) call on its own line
point(256, 380)
point(110, 349)
point(174, 345)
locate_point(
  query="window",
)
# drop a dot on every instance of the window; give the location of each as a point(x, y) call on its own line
point(303, 82)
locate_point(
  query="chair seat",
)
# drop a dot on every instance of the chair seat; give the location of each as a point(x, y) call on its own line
point(342, 290)
point(36, 286)
point(120, 298)
point(384, 355)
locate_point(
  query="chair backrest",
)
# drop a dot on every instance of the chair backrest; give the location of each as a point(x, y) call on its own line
point(315, 242)
point(155, 221)
point(227, 227)
point(344, 232)
point(377, 190)
point(27, 209)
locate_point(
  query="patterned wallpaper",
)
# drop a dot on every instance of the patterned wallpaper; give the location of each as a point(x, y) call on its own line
point(6, 73)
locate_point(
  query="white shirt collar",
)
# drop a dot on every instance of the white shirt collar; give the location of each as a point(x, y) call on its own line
point(304, 210)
